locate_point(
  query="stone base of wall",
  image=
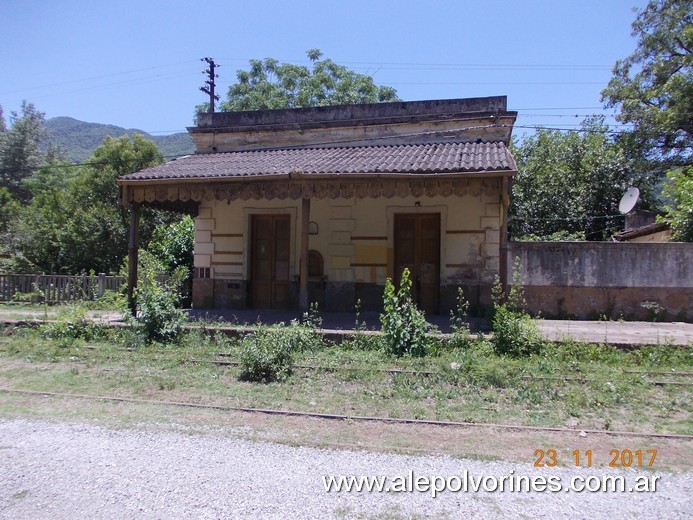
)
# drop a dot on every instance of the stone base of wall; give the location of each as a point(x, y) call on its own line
point(371, 296)
point(340, 296)
point(593, 303)
point(219, 294)
point(203, 293)
point(478, 296)
point(332, 296)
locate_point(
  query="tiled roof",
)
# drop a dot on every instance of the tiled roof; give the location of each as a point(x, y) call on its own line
point(393, 159)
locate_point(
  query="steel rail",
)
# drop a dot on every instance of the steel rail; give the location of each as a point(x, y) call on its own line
point(340, 417)
point(432, 373)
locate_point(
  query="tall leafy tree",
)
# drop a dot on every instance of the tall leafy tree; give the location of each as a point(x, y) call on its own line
point(20, 155)
point(653, 87)
point(570, 184)
point(115, 157)
point(679, 191)
point(8, 211)
point(269, 84)
point(79, 227)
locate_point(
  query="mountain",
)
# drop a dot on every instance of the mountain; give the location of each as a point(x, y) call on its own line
point(79, 139)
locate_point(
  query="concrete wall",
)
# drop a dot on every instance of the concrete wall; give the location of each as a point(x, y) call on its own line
point(390, 123)
point(355, 239)
point(592, 279)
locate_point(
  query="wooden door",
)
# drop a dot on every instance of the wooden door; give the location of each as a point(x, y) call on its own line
point(417, 247)
point(270, 237)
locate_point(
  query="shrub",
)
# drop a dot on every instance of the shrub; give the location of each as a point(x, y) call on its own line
point(74, 326)
point(266, 355)
point(158, 318)
point(514, 332)
point(404, 325)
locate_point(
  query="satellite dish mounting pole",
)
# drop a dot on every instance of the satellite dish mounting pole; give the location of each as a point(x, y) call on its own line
point(627, 203)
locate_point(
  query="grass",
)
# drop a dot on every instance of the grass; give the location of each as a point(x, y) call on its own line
point(567, 384)
point(470, 384)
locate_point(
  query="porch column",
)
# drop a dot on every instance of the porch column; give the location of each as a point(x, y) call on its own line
point(133, 246)
point(303, 275)
point(503, 253)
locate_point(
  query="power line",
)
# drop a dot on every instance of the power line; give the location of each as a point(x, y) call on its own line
point(448, 66)
point(563, 219)
point(346, 141)
point(532, 83)
point(91, 78)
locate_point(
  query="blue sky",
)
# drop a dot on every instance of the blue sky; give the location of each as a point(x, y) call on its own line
point(136, 63)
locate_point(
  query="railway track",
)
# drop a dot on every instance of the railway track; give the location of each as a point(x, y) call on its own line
point(340, 417)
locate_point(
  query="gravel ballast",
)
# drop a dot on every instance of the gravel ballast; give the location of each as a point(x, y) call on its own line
point(67, 470)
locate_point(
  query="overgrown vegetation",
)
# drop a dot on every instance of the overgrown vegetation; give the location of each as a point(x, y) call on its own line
point(570, 183)
point(65, 219)
point(158, 317)
point(268, 354)
point(570, 384)
point(73, 326)
point(679, 191)
point(514, 331)
point(404, 325)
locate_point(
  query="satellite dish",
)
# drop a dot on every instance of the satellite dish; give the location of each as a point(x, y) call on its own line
point(629, 200)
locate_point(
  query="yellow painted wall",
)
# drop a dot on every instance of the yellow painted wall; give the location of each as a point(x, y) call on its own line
point(355, 236)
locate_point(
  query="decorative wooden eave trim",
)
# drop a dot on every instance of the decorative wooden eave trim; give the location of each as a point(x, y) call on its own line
point(312, 186)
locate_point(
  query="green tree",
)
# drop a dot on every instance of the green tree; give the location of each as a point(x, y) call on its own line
point(38, 231)
point(653, 87)
point(173, 244)
point(20, 155)
point(78, 226)
point(115, 157)
point(269, 84)
point(679, 189)
point(570, 184)
point(8, 210)
point(99, 228)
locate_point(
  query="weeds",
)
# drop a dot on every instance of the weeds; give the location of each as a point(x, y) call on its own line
point(459, 325)
point(514, 332)
point(473, 383)
point(404, 326)
point(268, 354)
point(73, 327)
point(158, 318)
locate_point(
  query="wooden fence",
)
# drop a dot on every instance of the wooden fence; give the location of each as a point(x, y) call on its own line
point(53, 289)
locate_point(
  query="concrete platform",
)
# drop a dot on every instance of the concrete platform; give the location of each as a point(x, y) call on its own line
point(623, 333)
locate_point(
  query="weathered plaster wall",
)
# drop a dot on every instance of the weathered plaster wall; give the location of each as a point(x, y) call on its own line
point(390, 123)
point(593, 279)
point(355, 239)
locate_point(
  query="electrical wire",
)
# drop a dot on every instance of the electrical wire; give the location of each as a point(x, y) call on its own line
point(102, 76)
point(346, 141)
point(562, 219)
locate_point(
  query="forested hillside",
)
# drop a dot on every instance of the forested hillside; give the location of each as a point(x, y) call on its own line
point(79, 139)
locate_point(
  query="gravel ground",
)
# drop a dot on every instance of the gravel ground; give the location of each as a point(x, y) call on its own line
point(65, 470)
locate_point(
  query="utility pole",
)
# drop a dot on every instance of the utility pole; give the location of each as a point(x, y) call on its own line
point(209, 89)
